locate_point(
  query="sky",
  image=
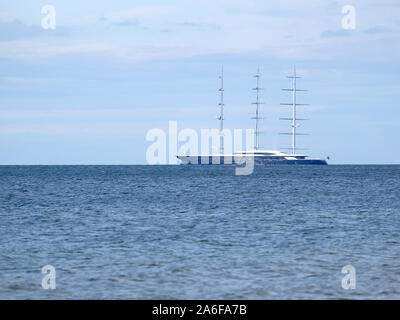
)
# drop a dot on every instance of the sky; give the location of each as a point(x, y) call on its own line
point(88, 91)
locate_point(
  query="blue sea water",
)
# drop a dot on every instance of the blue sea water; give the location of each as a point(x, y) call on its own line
point(187, 232)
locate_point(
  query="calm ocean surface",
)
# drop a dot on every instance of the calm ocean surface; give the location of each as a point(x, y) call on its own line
point(179, 232)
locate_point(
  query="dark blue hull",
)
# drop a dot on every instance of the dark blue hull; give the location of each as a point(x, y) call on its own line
point(260, 161)
point(292, 162)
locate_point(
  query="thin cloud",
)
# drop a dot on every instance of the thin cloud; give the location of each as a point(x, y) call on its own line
point(139, 13)
point(15, 30)
point(377, 30)
point(336, 33)
point(124, 23)
point(198, 25)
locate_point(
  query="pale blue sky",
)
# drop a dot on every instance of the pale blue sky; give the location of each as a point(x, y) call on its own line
point(88, 92)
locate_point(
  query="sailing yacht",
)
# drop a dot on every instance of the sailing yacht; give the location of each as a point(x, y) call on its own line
point(261, 157)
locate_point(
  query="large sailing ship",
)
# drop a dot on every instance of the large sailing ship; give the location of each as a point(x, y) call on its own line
point(260, 156)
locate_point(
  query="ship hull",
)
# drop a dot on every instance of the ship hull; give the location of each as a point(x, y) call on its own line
point(260, 161)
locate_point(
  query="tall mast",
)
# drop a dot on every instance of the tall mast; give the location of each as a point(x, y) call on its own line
point(294, 111)
point(221, 117)
point(257, 118)
point(294, 104)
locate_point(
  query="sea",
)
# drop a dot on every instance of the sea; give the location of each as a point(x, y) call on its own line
point(199, 232)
